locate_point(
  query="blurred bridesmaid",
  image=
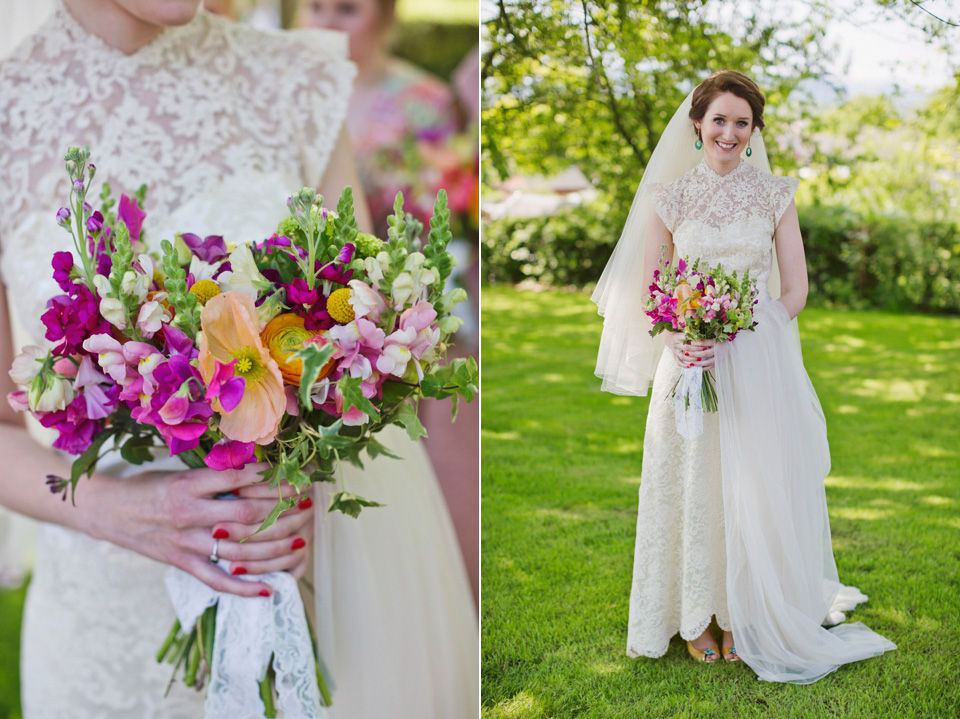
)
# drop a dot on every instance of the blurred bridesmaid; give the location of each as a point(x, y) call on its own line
point(399, 120)
point(395, 104)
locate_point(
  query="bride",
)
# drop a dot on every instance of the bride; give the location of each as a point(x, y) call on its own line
point(222, 123)
point(732, 524)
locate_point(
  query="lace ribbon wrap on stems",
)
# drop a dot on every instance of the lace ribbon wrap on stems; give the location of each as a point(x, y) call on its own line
point(782, 581)
point(249, 631)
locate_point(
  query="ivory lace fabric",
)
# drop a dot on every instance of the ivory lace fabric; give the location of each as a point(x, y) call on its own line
point(223, 123)
point(733, 523)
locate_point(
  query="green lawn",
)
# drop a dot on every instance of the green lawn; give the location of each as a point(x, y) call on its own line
point(11, 606)
point(561, 467)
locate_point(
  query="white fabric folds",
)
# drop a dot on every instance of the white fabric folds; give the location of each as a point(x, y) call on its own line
point(249, 630)
point(782, 581)
point(688, 403)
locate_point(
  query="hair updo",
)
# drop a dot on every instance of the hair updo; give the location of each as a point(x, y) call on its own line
point(736, 83)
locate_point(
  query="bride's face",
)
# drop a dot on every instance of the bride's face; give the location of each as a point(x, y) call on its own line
point(725, 129)
point(362, 20)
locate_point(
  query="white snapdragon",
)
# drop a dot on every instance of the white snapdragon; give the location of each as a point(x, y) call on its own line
point(152, 315)
point(27, 365)
point(51, 394)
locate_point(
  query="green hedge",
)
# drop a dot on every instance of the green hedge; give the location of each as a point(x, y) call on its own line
point(853, 261)
point(437, 48)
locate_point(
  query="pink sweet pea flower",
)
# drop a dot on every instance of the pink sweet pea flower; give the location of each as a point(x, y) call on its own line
point(109, 354)
point(231, 454)
point(420, 316)
point(99, 406)
point(18, 401)
point(396, 352)
point(226, 386)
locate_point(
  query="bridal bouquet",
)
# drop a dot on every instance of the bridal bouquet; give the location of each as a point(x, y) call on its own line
point(703, 304)
point(293, 350)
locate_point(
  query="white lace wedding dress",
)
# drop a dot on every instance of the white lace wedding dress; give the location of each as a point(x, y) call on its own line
point(222, 123)
point(733, 523)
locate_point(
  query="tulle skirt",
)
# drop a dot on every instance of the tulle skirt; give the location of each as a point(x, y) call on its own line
point(782, 582)
point(767, 471)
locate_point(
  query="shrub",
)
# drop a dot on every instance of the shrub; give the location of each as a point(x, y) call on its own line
point(853, 261)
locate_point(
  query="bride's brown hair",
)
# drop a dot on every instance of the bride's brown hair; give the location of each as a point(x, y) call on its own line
point(733, 82)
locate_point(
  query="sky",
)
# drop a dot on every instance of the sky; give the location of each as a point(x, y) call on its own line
point(876, 50)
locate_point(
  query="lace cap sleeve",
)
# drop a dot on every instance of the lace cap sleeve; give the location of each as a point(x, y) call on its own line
point(665, 199)
point(782, 190)
point(319, 81)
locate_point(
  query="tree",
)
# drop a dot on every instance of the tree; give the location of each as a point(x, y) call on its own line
point(594, 83)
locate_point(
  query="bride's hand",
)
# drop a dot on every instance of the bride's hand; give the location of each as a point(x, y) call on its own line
point(699, 353)
point(173, 517)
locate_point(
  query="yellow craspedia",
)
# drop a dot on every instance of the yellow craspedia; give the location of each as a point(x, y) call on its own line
point(338, 306)
point(205, 290)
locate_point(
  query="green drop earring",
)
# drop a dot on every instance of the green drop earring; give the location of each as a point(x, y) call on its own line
point(749, 150)
point(699, 143)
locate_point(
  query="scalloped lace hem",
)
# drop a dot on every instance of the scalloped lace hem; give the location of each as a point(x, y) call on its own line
point(658, 649)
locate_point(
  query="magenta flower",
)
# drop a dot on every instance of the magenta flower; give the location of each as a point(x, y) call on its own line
point(62, 266)
point(131, 215)
point(230, 454)
point(226, 386)
point(71, 318)
point(210, 249)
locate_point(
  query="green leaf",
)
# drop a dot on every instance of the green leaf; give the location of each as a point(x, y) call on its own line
point(352, 390)
point(282, 506)
point(349, 503)
point(314, 358)
point(136, 450)
point(87, 462)
point(319, 475)
point(375, 449)
point(331, 437)
point(407, 418)
point(431, 385)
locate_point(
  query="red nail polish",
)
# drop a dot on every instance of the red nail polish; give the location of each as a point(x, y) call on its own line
point(238, 570)
point(305, 503)
point(221, 534)
point(299, 543)
point(264, 592)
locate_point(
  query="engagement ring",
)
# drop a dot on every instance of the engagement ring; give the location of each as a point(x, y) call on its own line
point(214, 557)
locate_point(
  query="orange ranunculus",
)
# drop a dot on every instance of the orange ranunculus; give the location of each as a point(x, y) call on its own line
point(229, 323)
point(284, 335)
point(688, 299)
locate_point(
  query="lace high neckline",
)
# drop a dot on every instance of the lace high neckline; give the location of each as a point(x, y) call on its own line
point(710, 172)
point(71, 29)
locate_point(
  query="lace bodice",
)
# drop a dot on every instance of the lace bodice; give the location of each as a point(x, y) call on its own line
point(727, 219)
point(222, 123)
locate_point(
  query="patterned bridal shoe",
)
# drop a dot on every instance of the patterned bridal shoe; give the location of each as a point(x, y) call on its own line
point(731, 650)
point(707, 656)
